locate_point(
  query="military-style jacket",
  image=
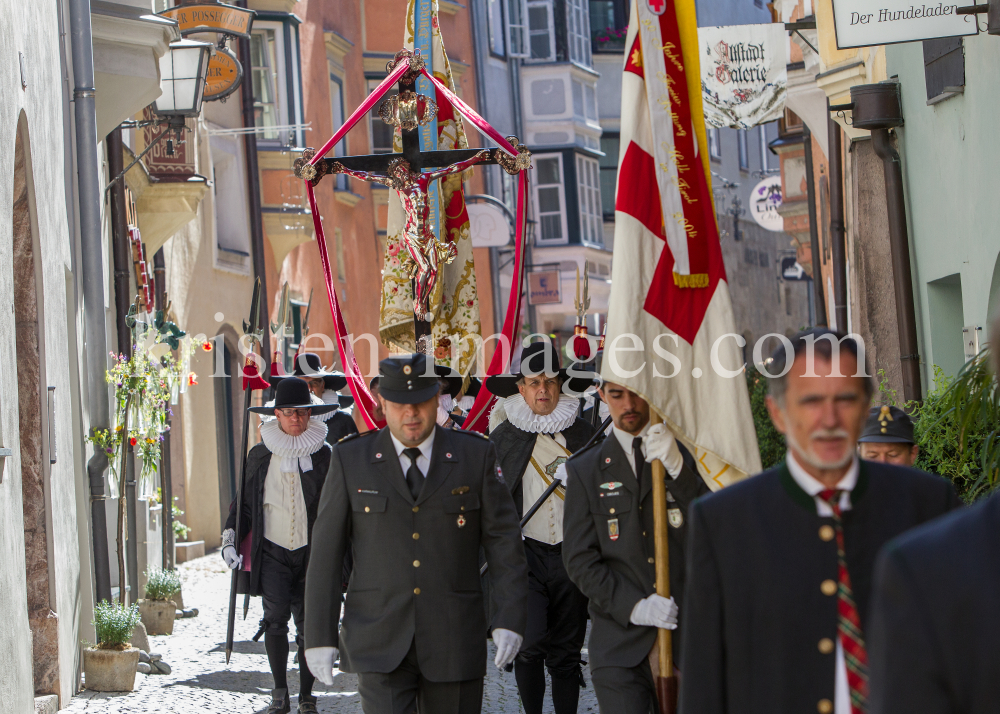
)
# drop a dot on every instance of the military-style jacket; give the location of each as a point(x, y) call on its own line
point(514, 447)
point(416, 562)
point(608, 546)
point(258, 461)
point(339, 426)
point(760, 612)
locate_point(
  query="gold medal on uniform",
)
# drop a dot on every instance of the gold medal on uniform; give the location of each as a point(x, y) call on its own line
point(613, 528)
point(461, 521)
point(675, 518)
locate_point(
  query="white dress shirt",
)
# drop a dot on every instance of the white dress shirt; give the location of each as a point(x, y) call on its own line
point(841, 693)
point(625, 439)
point(285, 520)
point(423, 461)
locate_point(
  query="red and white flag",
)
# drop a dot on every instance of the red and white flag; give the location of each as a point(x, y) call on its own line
point(668, 283)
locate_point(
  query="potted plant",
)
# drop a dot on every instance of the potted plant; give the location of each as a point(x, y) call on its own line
point(110, 665)
point(158, 609)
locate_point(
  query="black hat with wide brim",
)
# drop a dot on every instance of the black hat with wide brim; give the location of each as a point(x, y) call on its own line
point(293, 393)
point(454, 380)
point(308, 364)
point(404, 379)
point(536, 358)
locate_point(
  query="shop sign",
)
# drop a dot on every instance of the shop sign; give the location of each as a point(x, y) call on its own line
point(223, 76)
point(792, 270)
point(860, 23)
point(212, 17)
point(765, 199)
point(544, 287)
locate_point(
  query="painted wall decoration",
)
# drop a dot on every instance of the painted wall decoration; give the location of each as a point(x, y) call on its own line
point(743, 74)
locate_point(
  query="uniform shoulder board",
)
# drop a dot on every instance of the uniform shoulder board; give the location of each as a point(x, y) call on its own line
point(471, 433)
point(355, 435)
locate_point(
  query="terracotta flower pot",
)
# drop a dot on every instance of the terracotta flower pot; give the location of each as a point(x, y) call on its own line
point(110, 670)
point(158, 616)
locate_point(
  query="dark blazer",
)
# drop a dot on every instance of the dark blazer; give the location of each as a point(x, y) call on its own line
point(514, 447)
point(616, 574)
point(416, 563)
point(338, 426)
point(258, 461)
point(934, 640)
point(754, 610)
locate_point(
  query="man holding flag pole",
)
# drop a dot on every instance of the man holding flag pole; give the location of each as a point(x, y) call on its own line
point(669, 351)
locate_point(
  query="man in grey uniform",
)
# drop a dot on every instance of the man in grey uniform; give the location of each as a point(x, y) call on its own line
point(416, 502)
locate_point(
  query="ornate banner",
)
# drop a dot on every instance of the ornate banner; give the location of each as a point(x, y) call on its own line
point(744, 77)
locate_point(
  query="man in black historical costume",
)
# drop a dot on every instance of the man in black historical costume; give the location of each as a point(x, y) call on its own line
point(780, 566)
point(416, 502)
point(538, 430)
point(609, 548)
point(324, 385)
point(284, 477)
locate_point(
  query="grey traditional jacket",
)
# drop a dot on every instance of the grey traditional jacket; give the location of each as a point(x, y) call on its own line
point(416, 562)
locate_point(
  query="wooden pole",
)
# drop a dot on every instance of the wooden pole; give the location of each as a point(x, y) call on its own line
point(666, 682)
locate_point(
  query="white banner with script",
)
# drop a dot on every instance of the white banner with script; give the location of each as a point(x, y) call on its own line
point(744, 77)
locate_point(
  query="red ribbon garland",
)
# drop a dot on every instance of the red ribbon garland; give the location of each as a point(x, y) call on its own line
point(478, 419)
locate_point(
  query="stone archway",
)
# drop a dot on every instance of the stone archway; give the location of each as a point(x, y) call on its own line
point(43, 620)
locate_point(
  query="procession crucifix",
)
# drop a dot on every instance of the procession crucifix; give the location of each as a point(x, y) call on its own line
point(410, 175)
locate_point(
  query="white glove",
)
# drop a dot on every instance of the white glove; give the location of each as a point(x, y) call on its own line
point(320, 662)
point(233, 561)
point(662, 446)
point(655, 611)
point(508, 644)
point(561, 474)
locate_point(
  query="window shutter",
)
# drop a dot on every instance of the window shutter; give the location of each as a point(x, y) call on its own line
point(517, 29)
point(944, 67)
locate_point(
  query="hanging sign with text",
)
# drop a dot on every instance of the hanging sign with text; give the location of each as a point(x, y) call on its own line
point(765, 200)
point(544, 287)
point(744, 76)
point(224, 75)
point(212, 17)
point(861, 23)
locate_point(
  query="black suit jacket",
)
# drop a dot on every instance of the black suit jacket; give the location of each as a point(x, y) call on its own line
point(514, 447)
point(258, 461)
point(416, 563)
point(754, 610)
point(338, 426)
point(616, 574)
point(934, 642)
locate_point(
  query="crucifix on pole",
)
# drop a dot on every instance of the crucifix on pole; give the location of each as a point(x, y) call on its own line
point(410, 174)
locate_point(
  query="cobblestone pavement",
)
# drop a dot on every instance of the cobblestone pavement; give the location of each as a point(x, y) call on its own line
point(201, 683)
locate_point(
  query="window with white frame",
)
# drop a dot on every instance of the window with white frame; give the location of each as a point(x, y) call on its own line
point(550, 201)
point(578, 31)
point(381, 133)
point(494, 26)
point(337, 109)
point(517, 29)
point(588, 187)
point(541, 31)
point(744, 150)
point(266, 81)
point(714, 143)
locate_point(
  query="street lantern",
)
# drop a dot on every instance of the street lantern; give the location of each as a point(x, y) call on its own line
point(182, 79)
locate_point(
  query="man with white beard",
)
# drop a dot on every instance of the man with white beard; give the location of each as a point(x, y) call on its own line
point(780, 565)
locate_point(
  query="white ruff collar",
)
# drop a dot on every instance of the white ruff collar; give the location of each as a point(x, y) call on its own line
point(518, 413)
point(329, 397)
point(294, 451)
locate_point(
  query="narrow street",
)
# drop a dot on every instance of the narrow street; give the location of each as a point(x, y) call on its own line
point(202, 683)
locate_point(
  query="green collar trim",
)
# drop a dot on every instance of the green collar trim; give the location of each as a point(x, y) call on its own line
point(803, 499)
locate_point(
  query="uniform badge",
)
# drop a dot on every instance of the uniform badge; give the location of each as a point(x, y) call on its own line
point(461, 521)
point(611, 485)
point(459, 491)
point(407, 369)
point(613, 528)
point(500, 475)
point(675, 518)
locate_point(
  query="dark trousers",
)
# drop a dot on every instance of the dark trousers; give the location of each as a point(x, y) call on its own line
point(405, 691)
point(283, 586)
point(557, 613)
point(625, 690)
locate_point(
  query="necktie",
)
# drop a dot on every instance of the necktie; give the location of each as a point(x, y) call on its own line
point(848, 622)
point(414, 479)
point(640, 460)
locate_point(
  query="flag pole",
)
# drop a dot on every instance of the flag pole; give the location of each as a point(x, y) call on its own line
point(666, 680)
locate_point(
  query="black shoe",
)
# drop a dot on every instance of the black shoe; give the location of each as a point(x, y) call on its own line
point(307, 705)
point(279, 702)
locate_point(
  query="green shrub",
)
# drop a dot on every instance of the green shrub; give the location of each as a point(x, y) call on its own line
point(770, 441)
point(114, 624)
point(162, 584)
